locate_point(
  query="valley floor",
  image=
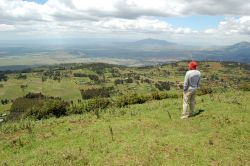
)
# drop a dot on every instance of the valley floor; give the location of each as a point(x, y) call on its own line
point(143, 134)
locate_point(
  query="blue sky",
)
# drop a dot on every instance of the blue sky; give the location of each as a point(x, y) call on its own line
point(196, 22)
point(37, 1)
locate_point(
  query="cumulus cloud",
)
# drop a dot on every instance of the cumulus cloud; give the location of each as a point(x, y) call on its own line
point(231, 26)
point(5, 27)
point(122, 16)
point(136, 8)
point(142, 24)
point(97, 9)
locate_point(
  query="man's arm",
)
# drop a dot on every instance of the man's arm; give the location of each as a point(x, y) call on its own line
point(185, 84)
point(198, 83)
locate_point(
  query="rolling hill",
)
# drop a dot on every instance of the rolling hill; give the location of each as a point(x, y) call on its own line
point(239, 52)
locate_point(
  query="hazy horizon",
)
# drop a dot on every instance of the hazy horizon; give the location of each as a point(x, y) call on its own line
point(96, 41)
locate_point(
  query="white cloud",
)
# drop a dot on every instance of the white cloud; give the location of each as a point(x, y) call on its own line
point(231, 26)
point(122, 16)
point(141, 24)
point(5, 27)
point(97, 9)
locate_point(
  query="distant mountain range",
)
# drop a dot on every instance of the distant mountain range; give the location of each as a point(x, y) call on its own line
point(239, 52)
point(150, 41)
point(142, 52)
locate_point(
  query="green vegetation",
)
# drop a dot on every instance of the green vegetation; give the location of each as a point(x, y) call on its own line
point(100, 114)
point(141, 134)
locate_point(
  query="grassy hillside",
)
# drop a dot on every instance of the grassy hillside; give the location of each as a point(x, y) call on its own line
point(116, 115)
point(66, 81)
point(144, 134)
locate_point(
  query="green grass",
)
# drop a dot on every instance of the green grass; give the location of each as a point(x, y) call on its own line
point(148, 134)
point(66, 88)
point(142, 135)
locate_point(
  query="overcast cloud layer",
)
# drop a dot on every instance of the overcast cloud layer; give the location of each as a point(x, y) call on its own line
point(127, 18)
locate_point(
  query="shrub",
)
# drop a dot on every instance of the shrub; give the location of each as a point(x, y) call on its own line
point(80, 75)
point(129, 80)
point(34, 95)
point(21, 76)
point(244, 86)
point(214, 77)
point(148, 81)
point(163, 95)
point(4, 101)
point(162, 85)
point(50, 108)
point(23, 87)
point(38, 106)
point(52, 74)
point(204, 91)
point(97, 92)
point(3, 77)
point(44, 78)
point(94, 77)
point(97, 103)
point(22, 104)
point(137, 77)
point(118, 81)
point(115, 72)
point(159, 96)
point(89, 105)
point(131, 99)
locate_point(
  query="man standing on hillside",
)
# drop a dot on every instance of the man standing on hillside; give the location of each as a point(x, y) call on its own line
point(191, 83)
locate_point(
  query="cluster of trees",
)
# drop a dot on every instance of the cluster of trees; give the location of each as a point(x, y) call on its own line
point(34, 96)
point(99, 68)
point(50, 108)
point(3, 77)
point(97, 92)
point(80, 75)
point(122, 81)
point(38, 106)
point(21, 76)
point(116, 72)
point(5, 101)
point(52, 74)
point(24, 86)
point(244, 86)
point(92, 77)
point(119, 81)
point(146, 80)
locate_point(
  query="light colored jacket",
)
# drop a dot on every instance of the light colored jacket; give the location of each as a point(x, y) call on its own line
point(192, 80)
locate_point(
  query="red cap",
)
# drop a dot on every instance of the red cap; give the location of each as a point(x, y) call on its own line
point(192, 65)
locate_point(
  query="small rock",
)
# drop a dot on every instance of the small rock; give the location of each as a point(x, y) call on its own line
point(47, 135)
point(1, 120)
point(210, 142)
